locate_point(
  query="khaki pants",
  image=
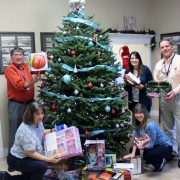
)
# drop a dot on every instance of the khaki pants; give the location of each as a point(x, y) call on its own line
point(170, 113)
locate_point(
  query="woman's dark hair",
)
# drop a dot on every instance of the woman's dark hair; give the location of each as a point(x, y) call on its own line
point(140, 108)
point(140, 68)
point(28, 115)
point(16, 49)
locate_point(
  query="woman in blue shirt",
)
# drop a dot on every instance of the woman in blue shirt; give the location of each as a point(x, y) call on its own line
point(27, 153)
point(158, 147)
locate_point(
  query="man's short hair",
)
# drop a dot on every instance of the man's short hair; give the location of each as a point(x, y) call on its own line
point(16, 49)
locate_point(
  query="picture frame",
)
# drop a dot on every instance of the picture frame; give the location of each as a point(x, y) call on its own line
point(9, 40)
point(47, 41)
point(174, 38)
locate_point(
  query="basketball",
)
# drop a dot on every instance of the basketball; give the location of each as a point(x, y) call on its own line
point(38, 61)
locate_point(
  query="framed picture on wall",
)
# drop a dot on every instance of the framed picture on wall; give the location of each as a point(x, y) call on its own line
point(174, 38)
point(8, 40)
point(47, 41)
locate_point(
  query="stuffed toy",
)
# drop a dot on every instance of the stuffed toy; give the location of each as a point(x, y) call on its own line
point(125, 55)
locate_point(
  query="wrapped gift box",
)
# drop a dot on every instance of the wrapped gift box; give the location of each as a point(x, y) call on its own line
point(95, 154)
point(63, 144)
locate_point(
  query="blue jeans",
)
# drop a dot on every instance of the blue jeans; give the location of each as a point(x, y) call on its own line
point(31, 169)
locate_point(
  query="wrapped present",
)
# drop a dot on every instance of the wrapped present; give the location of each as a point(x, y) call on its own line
point(38, 62)
point(63, 144)
point(95, 154)
point(110, 159)
point(142, 140)
point(131, 79)
point(157, 89)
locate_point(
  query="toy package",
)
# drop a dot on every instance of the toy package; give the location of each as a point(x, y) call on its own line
point(38, 62)
point(95, 154)
point(63, 144)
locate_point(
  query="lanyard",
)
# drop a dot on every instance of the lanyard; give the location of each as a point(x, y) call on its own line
point(21, 70)
point(168, 69)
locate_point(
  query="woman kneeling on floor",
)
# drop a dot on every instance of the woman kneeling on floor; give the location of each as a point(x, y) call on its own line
point(26, 155)
point(157, 146)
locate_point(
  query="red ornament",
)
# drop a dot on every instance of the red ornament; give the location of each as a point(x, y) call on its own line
point(53, 107)
point(86, 132)
point(77, 8)
point(90, 85)
point(50, 57)
point(42, 85)
point(73, 52)
point(99, 30)
point(114, 111)
point(38, 61)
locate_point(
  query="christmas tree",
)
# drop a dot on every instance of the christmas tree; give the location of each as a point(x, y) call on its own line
point(79, 88)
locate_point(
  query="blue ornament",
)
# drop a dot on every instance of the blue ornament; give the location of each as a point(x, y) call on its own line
point(67, 78)
point(49, 69)
point(120, 68)
point(90, 43)
point(107, 108)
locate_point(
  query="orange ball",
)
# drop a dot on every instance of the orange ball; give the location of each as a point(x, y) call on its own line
point(38, 61)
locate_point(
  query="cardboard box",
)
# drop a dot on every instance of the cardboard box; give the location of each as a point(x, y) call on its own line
point(63, 144)
point(137, 165)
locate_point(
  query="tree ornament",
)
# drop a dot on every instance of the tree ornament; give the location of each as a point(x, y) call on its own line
point(99, 30)
point(77, 8)
point(114, 111)
point(122, 125)
point(68, 110)
point(117, 125)
point(107, 108)
point(90, 85)
point(64, 32)
point(50, 56)
point(42, 85)
point(59, 59)
point(76, 92)
point(73, 53)
point(95, 38)
point(67, 78)
point(102, 85)
point(75, 69)
point(53, 107)
point(90, 43)
point(86, 133)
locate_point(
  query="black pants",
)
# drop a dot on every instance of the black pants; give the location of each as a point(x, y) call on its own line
point(31, 169)
point(155, 155)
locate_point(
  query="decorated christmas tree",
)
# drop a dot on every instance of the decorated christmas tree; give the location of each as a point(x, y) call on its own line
point(79, 89)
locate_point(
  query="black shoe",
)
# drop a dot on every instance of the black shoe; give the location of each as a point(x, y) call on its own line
point(2, 175)
point(161, 166)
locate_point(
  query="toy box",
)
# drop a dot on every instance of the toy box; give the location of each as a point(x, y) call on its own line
point(95, 154)
point(63, 144)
